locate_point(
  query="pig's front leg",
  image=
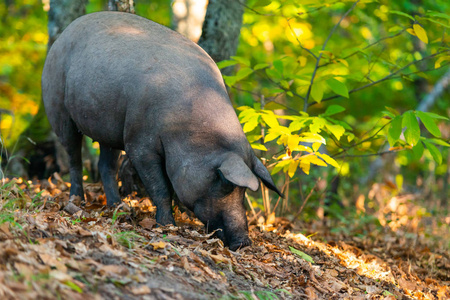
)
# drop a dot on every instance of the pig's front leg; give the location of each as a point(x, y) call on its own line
point(152, 173)
point(107, 166)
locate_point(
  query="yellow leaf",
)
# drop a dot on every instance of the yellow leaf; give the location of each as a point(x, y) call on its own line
point(329, 160)
point(421, 33)
point(293, 167)
point(438, 62)
point(293, 141)
point(302, 60)
point(305, 166)
point(270, 120)
point(336, 130)
point(315, 160)
point(411, 31)
point(158, 245)
point(316, 146)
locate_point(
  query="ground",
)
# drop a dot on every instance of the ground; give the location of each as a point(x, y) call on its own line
point(51, 248)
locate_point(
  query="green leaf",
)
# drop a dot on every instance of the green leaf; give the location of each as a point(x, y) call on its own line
point(396, 12)
point(438, 142)
point(242, 60)
point(412, 132)
point(226, 63)
point(260, 66)
point(417, 151)
point(437, 156)
point(73, 286)
point(259, 147)
point(280, 165)
point(392, 110)
point(333, 109)
point(338, 87)
point(395, 129)
point(302, 255)
point(429, 124)
point(317, 92)
point(254, 137)
point(278, 65)
point(242, 73)
point(435, 116)
point(229, 80)
point(336, 130)
point(438, 14)
point(261, 3)
point(274, 105)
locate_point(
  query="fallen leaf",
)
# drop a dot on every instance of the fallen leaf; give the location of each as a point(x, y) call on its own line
point(140, 290)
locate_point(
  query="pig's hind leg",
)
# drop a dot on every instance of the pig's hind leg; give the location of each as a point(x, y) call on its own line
point(107, 166)
point(71, 139)
point(153, 175)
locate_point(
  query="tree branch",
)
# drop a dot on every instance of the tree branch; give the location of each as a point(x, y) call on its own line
point(298, 41)
point(391, 75)
point(305, 106)
point(367, 47)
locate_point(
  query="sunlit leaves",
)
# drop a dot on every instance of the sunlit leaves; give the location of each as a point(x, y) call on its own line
point(317, 90)
point(435, 153)
point(333, 109)
point(336, 130)
point(439, 61)
point(429, 123)
point(395, 129)
point(400, 13)
point(338, 87)
point(420, 33)
point(412, 131)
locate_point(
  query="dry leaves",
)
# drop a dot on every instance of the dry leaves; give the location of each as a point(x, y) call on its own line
point(92, 252)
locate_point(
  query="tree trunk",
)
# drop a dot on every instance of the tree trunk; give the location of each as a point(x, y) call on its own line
point(221, 29)
point(121, 5)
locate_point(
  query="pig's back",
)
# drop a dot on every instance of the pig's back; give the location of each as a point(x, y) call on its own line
point(123, 72)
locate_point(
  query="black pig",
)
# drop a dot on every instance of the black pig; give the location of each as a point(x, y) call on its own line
point(132, 84)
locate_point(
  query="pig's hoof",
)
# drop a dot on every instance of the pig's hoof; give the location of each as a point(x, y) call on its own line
point(240, 244)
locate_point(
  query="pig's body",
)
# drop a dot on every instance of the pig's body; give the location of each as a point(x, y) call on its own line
point(132, 84)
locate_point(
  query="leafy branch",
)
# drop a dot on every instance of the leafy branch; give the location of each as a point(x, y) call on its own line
point(305, 106)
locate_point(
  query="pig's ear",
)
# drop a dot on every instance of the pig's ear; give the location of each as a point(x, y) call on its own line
point(237, 172)
point(261, 171)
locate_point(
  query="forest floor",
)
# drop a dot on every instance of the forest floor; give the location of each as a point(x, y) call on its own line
point(50, 249)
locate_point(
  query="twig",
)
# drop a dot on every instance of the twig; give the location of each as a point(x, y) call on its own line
point(382, 79)
point(368, 46)
point(375, 154)
point(306, 200)
point(360, 142)
point(305, 106)
point(298, 41)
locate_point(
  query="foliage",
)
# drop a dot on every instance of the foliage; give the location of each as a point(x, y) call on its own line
point(23, 43)
point(297, 60)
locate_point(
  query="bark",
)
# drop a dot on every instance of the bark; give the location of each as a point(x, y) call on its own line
point(221, 29)
point(121, 5)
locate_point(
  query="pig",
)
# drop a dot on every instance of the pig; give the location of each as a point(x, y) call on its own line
point(134, 85)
